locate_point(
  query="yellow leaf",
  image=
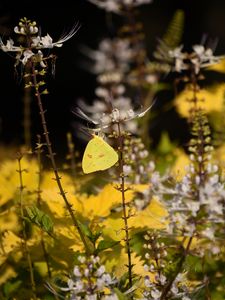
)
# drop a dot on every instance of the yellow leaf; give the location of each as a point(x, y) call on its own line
point(151, 217)
point(7, 273)
point(9, 220)
point(100, 205)
point(9, 178)
point(117, 264)
point(50, 194)
point(9, 242)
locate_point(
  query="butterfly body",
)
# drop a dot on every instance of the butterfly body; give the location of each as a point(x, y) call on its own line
point(98, 156)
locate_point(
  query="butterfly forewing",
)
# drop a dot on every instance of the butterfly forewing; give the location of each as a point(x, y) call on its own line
point(98, 156)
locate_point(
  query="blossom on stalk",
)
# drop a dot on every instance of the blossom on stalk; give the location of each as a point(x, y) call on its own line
point(117, 6)
point(112, 54)
point(90, 281)
point(35, 42)
point(110, 119)
point(157, 258)
point(199, 58)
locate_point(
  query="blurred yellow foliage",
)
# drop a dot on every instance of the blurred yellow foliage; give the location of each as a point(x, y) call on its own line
point(219, 67)
point(178, 169)
point(101, 204)
point(210, 100)
point(152, 217)
point(9, 179)
point(93, 209)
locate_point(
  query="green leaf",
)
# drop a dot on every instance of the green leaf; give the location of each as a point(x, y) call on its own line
point(47, 223)
point(106, 244)
point(10, 287)
point(119, 294)
point(171, 38)
point(86, 230)
point(39, 218)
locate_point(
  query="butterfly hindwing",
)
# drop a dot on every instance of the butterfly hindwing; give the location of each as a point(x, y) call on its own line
point(98, 156)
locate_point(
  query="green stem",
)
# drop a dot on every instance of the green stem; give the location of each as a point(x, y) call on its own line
point(71, 157)
point(43, 246)
point(24, 235)
point(27, 114)
point(125, 215)
point(52, 159)
point(1, 244)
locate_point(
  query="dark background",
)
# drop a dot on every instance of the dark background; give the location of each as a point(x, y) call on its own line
point(71, 81)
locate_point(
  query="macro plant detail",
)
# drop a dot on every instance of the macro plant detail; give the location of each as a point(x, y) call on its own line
point(124, 218)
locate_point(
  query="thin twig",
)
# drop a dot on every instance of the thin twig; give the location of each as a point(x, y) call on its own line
point(27, 114)
point(52, 159)
point(24, 235)
point(43, 246)
point(125, 215)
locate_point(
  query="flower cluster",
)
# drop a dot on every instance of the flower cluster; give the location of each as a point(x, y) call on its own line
point(109, 119)
point(35, 43)
point(117, 6)
point(156, 257)
point(134, 150)
point(112, 54)
point(199, 58)
point(90, 281)
point(196, 205)
point(111, 63)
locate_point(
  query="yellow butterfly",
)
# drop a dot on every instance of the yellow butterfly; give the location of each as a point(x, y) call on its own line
point(98, 156)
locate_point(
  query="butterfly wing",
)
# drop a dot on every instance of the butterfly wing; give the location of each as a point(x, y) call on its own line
point(98, 156)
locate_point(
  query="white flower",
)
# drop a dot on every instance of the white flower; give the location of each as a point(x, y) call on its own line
point(81, 259)
point(26, 55)
point(194, 207)
point(209, 233)
point(86, 272)
point(215, 250)
point(146, 267)
point(199, 58)
point(116, 5)
point(107, 279)
point(155, 294)
point(174, 289)
point(95, 259)
point(127, 169)
point(162, 279)
point(102, 92)
point(70, 284)
point(112, 55)
point(76, 271)
point(46, 42)
point(100, 271)
point(78, 286)
point(36, 41)
point(147, 282)
point(9, 47)
point(100, 284)
point(179, 56)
